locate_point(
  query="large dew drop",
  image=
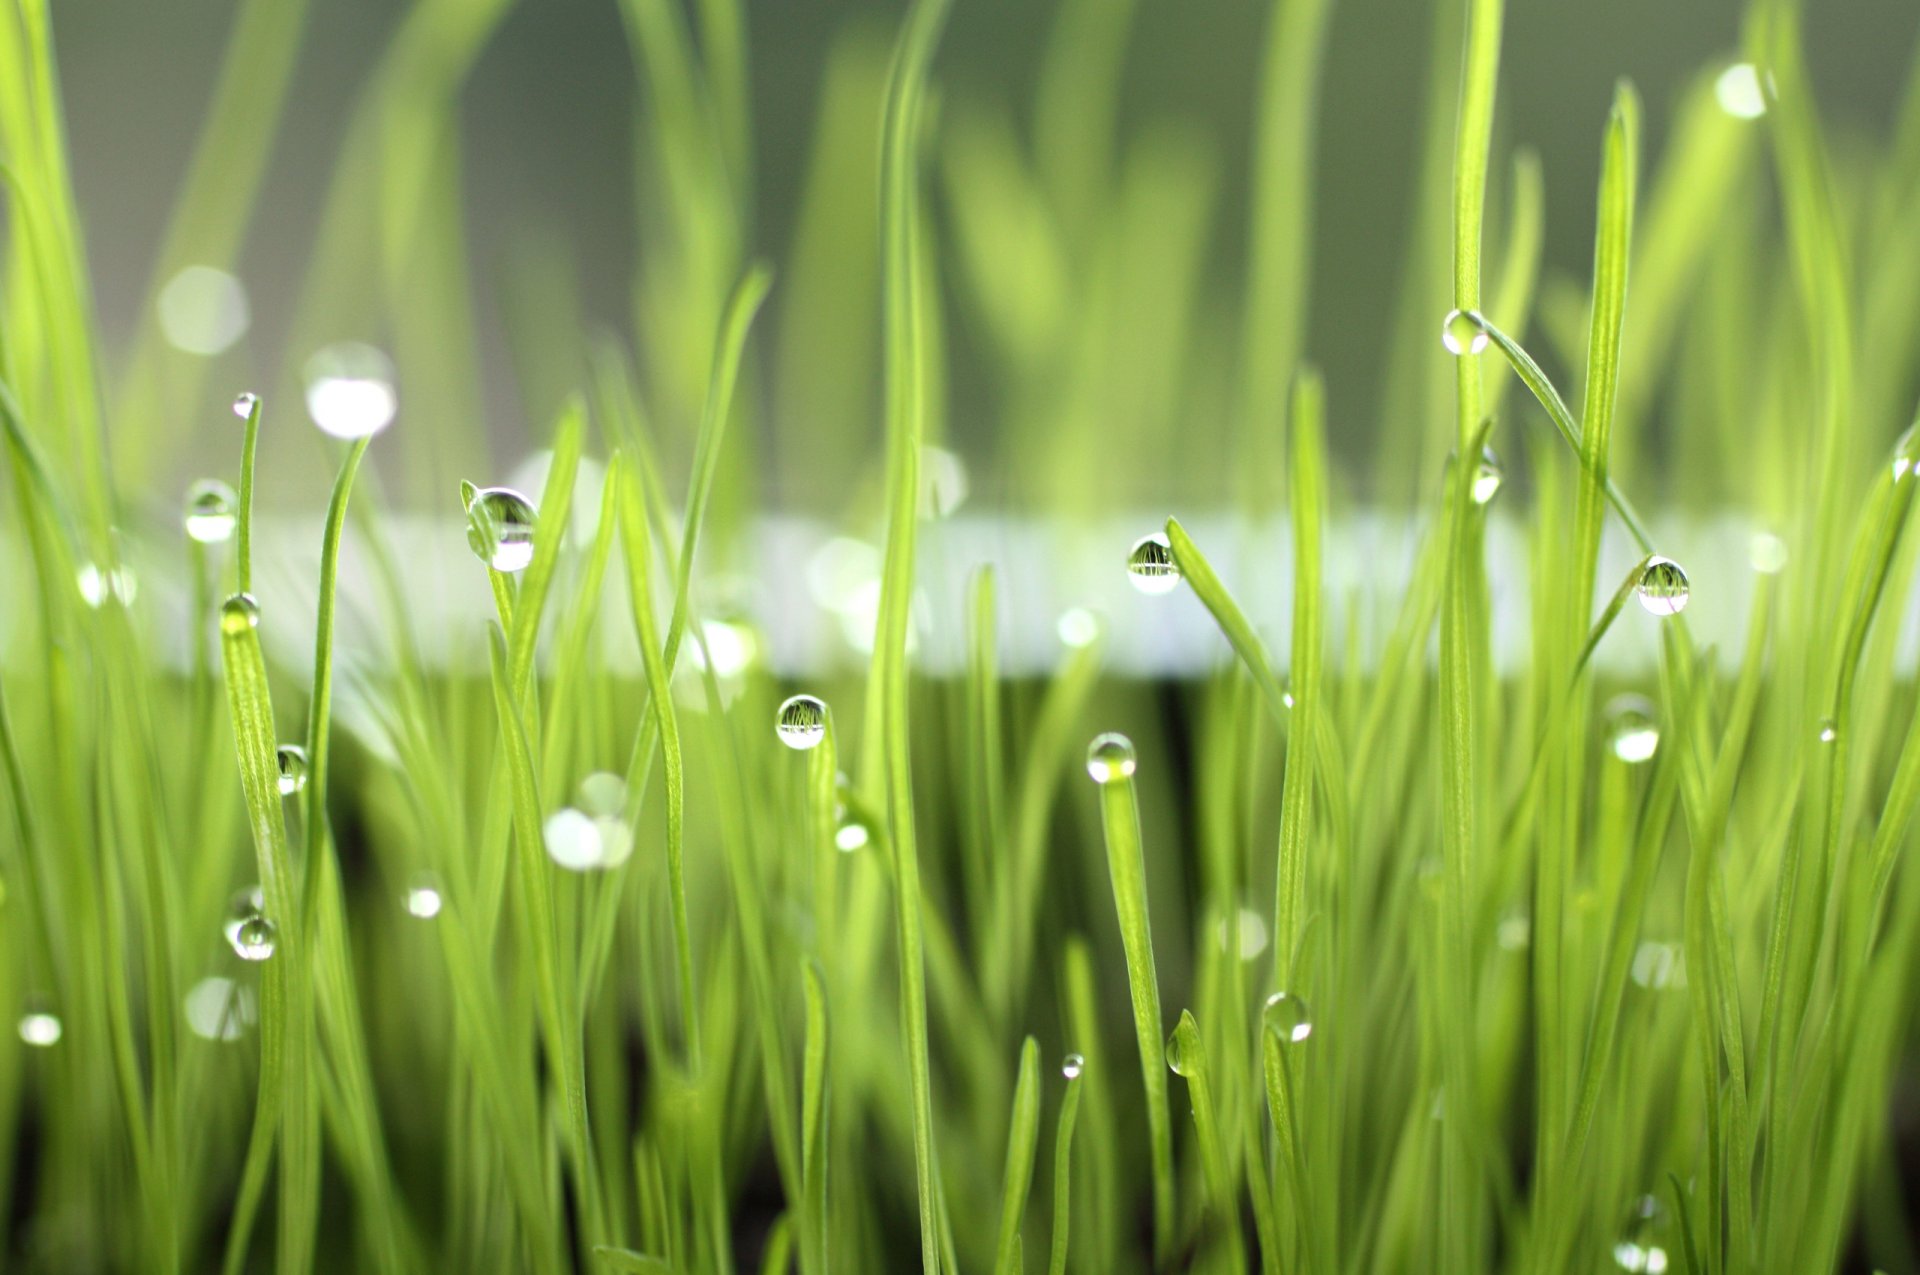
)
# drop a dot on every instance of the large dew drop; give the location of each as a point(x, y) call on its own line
point(1072, 1066)
point(292, 761)
point(1287, 1017)
point(801, 722)
point(1110, 757)
point(1632, 732)
point(239, 613)
point(1464, 332)
point(350, 390)
point(1185, 1054)
point(1150, 565)
point(500, 525)
point(423, 898)
point(253, 938)
point(243, 404)
point(1663, 587)
point(210, 512)
point(1487, 477)
point(40, 1029)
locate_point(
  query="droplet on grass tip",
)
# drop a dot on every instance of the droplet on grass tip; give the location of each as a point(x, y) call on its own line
point(239, 613)
point(1740, 92)
point(1110, 757)
point(500, 524)
point(1184, 1050)
point(851, 833)
point(243, 404)
point(1487, 477)
point(248, 901)
point(1767, 553)
point(423, 898)
point(1663, 587)
point(1150, 565)
point(1632, 732)
point(1829, 730)
point(801, 722)
point(573, 840)
point(292, 761)
point(253, 938)
point(1072, 1066)
point(1078, 627)
point(1464, 332)
point(210, 516)
point(1287, 1017)
point(350, 390)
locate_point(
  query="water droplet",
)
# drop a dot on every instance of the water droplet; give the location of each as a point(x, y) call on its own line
point(852, 833)
point(423, 898)
point(1632, 731)
point(1515, 932)
point(350, 390)
point(1767, 553)
point(1637, 1249)
point(500, 524)
point(573, 840)
point(1663, 587)
point(1905, 450)
point(243, 404)
point(239, 613)
point(220, 1009)
point(1072, 1066)
point(1150, 565)
point(202, 311)
point(40, 1029)
point(1184, 1052)
point(253, 938)
point(616, 840)
point(1078, 627)
point(210, 511)
point(732, 647)
point(1658, 965)
point(801, 722)
point(1252, 933)
point(1464, 332)
point(1829, 730)
point(1740, 93)
point(248, 901)
point(1487, 477)
point(292, 760)
point(1110, 757)
point(1288, 1017)
point(943, 482)
point(98, 587)
point(603, 794)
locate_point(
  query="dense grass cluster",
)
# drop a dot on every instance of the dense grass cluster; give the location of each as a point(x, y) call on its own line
point(1365, 953)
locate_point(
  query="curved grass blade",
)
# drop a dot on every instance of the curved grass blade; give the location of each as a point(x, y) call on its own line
point(1063, 1169)
point(1307, 481)
point(1023, 1137)
point(1187, 1052)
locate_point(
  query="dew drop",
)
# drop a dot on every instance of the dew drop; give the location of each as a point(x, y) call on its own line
point(1487, 477)
point(573, 840)
point(253, 938)
point(1072, 1066)
point(1739, 92)
point(1829, 730)
point(1252, 934)
point(1657, 966)
point(1150, 565)
point(239, 613)
point(210, 511)
point(350, 390)
point(1632, 732)
point(243, 404)
point(1464, 332)
point(98, 586)
point(1637, 1249)
point(202, 310)
point(247, 902)
point(1110, 757)
point(292, 761)
point(220, 1009)
point(603, 794)
point(801, 722)
point(1767, 553)
point(40, 1029)
point(500, 525)
point(1663, 587)
point(1287, 1017)
point(423, 898)
point(1515, 932)
point(1184, 1052)
point(852, 833)
point(1078, 627)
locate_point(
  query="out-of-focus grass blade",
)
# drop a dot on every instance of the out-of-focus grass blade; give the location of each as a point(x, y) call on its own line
point(814, 1113)
point(1307, 483)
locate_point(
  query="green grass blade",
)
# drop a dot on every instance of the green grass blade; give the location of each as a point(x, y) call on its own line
point(1023, 1138)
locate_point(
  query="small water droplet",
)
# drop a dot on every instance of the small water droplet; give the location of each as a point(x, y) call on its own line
point(248, 901)
point(1638, 1249)
point(1658, 965)
point(500, 524)
point(1767, 553)
point(1829, 730)
point(1287, 1017)
point(1150, 565)
point(292, 760)
point(202, 310)
point(1487, 477)
point(1252, 933)
point(1110, 757)
point(943, 482)
point(1663, 587)
point(220, 1009)
point(1515, 932)
point(210, 511)
point(603, 794)
point(1905, 449)
point(99, 586)
point(423, 896)
point(239, 613)
point(1464, 332)
point(573, 840)
point(1632, 731)
point(243, 404)
point(40, 1029)
point(801, 722)
point(1078, 627)
point(731, 646)
point(253, 938)
point(851, 833)
point(1072, 1066)
point(350, 390)
point(1184, 1052)
point(1740, 93)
